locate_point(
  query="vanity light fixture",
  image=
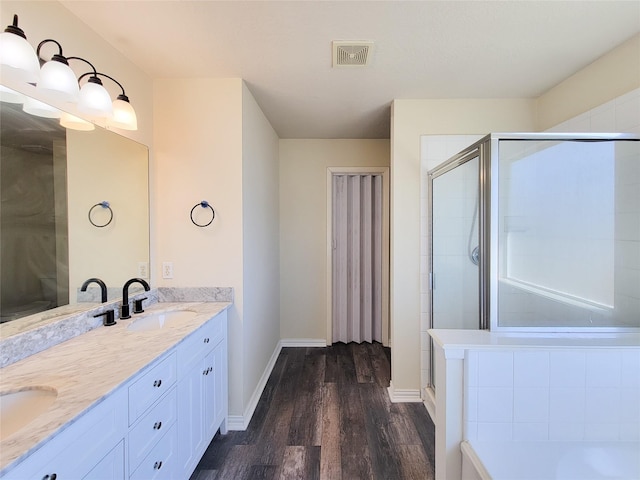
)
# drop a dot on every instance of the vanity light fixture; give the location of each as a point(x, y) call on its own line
point(18, 59)
point(57, 81)
point(75, 123)
point(10, 96)
point(40, 109)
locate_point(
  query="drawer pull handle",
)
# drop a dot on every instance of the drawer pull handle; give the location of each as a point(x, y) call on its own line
point(53, 476)
point(157, 425)
point(157, 383)
point(157, 465)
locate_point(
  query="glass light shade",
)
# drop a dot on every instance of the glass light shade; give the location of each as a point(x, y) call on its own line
point(10, 96)
point(124, 116)
point(18, 60)
point(95, 101)
point(75, 123)
point(40, 109)
point(57, 81)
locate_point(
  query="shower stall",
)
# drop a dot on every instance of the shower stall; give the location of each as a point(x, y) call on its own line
point(537, 233)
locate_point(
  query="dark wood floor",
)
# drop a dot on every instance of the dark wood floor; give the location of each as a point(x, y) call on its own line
point(325, 414)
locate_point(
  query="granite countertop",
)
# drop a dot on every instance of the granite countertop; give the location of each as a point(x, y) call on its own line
point(85, 369)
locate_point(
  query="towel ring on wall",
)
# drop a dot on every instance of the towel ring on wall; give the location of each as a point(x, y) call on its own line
point(104, 204)
point(203, 204)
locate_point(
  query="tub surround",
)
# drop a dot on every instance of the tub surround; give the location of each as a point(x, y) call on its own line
point(550, 460)
point(505, 387)
point(85, 369)
point(36, 333)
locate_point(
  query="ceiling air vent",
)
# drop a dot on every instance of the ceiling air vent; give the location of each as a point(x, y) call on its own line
point(351, 54)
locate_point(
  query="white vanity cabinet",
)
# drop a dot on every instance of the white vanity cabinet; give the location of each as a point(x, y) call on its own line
point(202, 391)
point(89, 448)
point(155, 425)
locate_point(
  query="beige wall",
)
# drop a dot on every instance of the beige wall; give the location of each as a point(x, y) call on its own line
point(303, 226)
point(198, 146)
point(261, 242)
point(411, 119)
point(610, 76)
point(214, 143)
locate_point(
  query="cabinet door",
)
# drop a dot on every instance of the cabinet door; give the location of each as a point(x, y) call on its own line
point(220, 391)
point(191, 429)
point(210, 392)
point(110, 467)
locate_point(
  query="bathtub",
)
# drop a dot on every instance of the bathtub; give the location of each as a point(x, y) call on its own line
point(550, 460)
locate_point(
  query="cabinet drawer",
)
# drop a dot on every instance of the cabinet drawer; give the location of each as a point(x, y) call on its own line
point(160, 462)
point(151, 386)
point(199, 343)
point(150, 429)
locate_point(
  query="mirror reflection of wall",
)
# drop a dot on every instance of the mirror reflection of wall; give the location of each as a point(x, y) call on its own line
point(49, 180)
point(33, 214)
point(102, 167)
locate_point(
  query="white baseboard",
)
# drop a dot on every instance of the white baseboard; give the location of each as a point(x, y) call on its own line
point(430, 403)
point(303, 342)
point(241, 422)
point(403, 395)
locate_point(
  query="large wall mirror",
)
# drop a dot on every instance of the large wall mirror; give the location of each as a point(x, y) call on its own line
point(56, 230)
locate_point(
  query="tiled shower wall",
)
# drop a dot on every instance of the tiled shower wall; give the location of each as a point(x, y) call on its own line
point(539, 395)
point(621, 114)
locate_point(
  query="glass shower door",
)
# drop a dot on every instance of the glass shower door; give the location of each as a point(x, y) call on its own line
point(455, 240)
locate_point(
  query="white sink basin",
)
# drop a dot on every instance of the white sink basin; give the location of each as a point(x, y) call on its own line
point(158, 320)
point(20, 407)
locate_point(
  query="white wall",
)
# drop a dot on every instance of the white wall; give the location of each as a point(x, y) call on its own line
point(303, 226)
point(410, 120)
point(261, 242)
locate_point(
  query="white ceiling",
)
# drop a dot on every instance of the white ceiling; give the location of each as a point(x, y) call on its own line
point(423, 49)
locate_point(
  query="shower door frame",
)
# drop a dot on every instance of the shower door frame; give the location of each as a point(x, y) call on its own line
point(480, 150)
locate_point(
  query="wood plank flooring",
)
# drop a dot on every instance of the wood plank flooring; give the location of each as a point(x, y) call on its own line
point(325, 414)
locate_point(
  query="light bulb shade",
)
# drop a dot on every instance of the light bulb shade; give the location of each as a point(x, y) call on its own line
point(124, 116)
point(40, 109)
point(10, 96)
point(75, 123)
point(58, 82)
point(18, 60)
point(94, 100)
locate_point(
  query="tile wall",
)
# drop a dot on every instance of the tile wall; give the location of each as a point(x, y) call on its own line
point(538, 395)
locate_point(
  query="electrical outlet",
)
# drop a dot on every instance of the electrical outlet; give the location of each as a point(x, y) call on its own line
point(143, 270)
point(167, 270)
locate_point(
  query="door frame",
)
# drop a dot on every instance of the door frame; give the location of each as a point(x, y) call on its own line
point(384, 171)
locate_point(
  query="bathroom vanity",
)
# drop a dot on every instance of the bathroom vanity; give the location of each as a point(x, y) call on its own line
point(130, 401)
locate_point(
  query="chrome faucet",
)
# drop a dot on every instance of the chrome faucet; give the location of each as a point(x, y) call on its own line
point(124, 310)
point(103, 287)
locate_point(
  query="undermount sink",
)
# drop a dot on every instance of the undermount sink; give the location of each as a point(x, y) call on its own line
point(158, 320)
point(18, 408)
